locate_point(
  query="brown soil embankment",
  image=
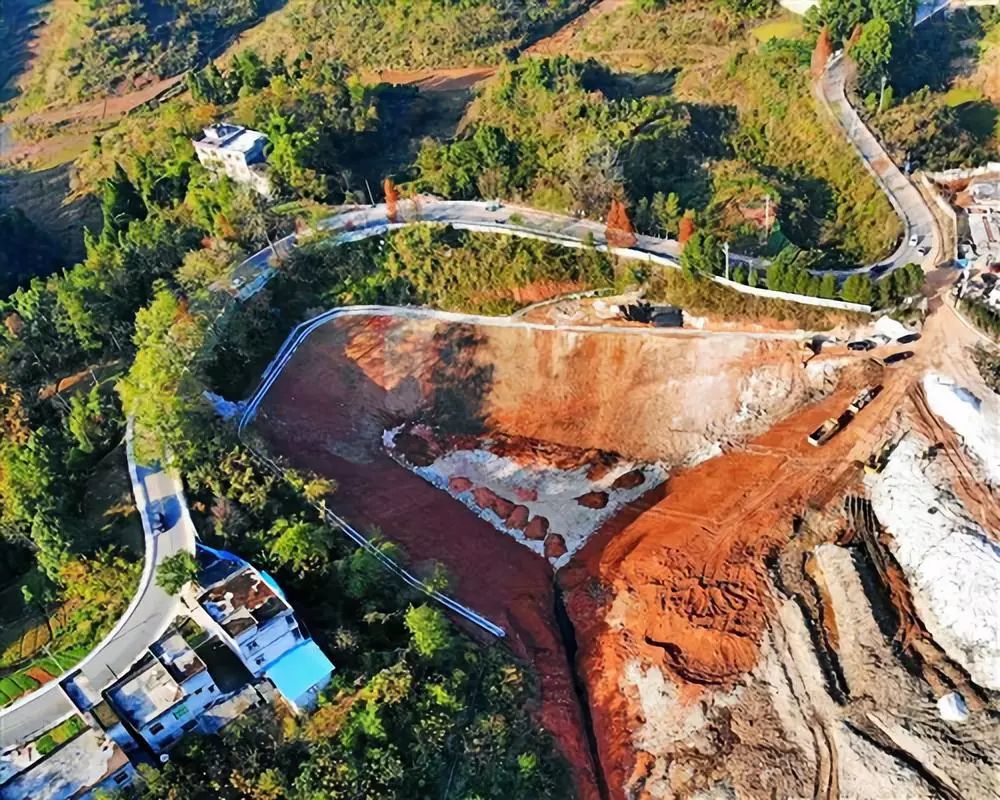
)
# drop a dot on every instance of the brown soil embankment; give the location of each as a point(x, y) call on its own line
point(675, 580)
point(680, 583)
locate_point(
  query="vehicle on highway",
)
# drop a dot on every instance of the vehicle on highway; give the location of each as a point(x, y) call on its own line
point(924, 250)
point(861, 344)
point(895, 358)
point(910, 337)
point(914, 240)
point(160, 522)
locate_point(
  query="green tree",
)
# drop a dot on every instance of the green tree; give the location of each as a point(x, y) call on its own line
point(873, 52)
point(161, 389)
point(858, 289)
point(702, 255)
point(828, 286)
point(176, 571)
point(303, 546)
point(430, 631)
point(120, 202)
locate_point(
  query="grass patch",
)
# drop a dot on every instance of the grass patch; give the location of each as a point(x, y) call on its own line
point(24, 682)
point(9, 687)
point(959, 95)
point(60, 734)
point(789, 28)
point(63, 660)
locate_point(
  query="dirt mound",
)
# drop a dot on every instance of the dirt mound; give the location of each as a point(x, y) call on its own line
point(680, 585)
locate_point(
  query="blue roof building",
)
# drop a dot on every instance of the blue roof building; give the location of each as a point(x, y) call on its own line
point(301, 674)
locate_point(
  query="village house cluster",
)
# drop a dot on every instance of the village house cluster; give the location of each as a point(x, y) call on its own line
point(239, 645)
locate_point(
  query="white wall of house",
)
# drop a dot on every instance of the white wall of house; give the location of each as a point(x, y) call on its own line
point(163, 731)
point(259, 647)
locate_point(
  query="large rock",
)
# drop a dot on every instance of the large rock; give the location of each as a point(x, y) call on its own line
point(518, 517)
point(596, 499)
point(630, 480)
point(555, 546)
point(537, 528)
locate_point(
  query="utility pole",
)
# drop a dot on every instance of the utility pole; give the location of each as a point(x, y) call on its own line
point(767, 216)
point(881, 96)
point(725, 249)
point(370, 198)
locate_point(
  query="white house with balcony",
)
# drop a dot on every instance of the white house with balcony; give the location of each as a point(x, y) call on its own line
point(235, 151)
point(246, 609)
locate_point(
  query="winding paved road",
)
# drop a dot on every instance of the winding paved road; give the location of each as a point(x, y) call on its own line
point(147, 617)
point(908, 203)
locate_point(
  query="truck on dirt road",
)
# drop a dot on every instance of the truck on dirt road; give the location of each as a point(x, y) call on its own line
point(829, 428)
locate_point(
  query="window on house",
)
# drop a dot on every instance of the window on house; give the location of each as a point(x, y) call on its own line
point(156, 728)
point(120, 778)
point(189, 725)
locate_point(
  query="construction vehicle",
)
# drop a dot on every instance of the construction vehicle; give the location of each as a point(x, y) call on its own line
point(864, 398)
point(824, 432)
point(876, 461)
point(828, 429)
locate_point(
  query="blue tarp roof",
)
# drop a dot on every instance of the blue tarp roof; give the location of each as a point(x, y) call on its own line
point(299, 670)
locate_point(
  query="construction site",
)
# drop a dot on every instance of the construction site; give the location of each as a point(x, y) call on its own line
point(741, 567)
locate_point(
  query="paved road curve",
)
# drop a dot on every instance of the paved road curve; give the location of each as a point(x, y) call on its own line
point(146, 618)
point(906, 200)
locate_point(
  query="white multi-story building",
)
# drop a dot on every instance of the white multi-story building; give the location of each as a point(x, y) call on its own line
point(238, 646)
point(238, 152)
point(248, 612)
point(165, 693)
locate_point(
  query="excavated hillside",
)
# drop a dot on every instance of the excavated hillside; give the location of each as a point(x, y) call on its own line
point(740, 622)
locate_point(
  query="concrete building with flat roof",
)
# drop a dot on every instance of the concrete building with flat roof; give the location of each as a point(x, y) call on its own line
point(247, 610)
point(163, 696)
point(75, 770)
point(235, 151)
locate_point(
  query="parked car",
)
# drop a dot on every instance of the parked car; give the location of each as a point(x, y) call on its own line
point(909, 338)
point(862, 344)
point(895, 358)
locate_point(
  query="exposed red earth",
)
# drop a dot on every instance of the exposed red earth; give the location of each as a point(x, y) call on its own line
point(682, 637)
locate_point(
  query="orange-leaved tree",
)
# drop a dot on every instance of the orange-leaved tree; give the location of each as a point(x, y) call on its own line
point(821, 53)
point(391, 199)
point(686, 228)
point(619, 231)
